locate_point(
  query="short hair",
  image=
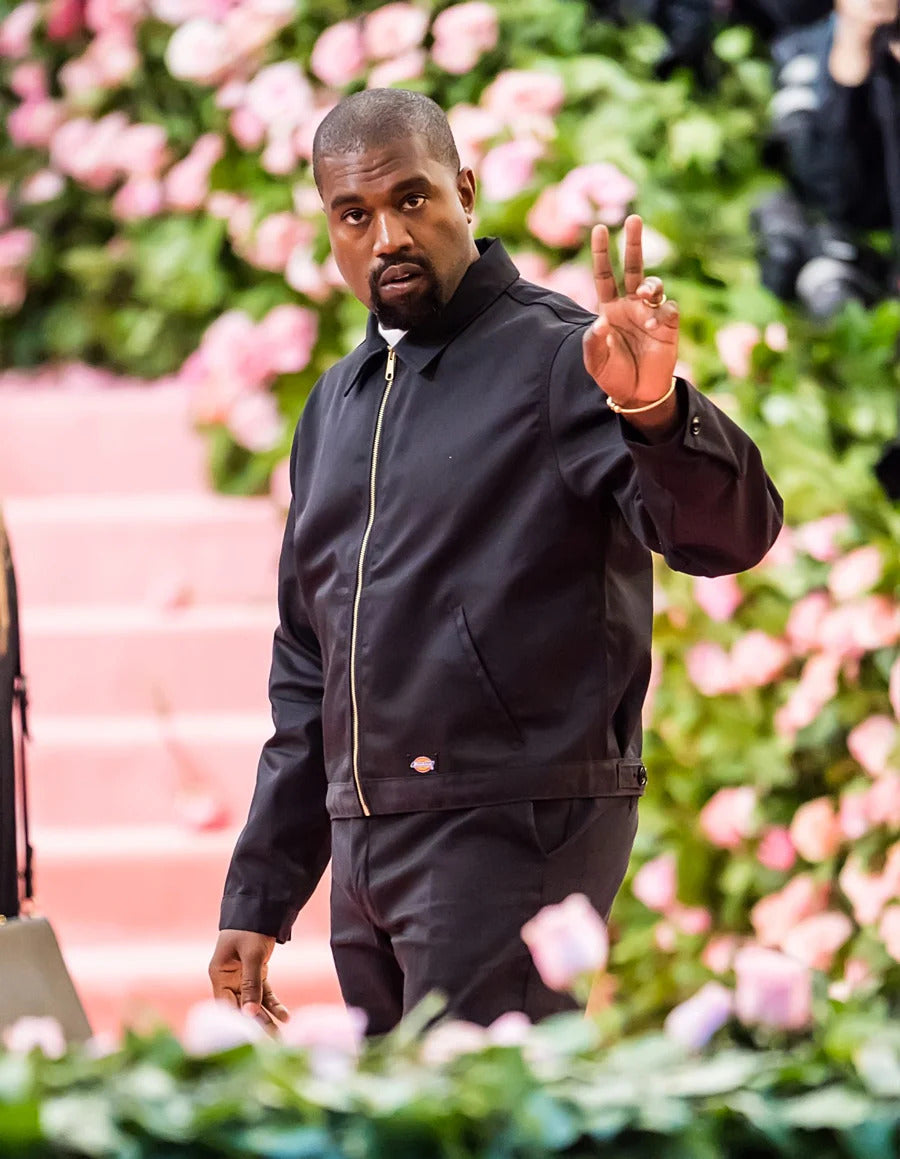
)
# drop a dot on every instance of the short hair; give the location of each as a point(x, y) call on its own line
point(374, 118)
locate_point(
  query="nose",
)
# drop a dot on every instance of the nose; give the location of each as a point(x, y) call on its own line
point(391, 234)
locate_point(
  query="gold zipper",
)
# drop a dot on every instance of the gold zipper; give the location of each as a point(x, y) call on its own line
point(354, 703)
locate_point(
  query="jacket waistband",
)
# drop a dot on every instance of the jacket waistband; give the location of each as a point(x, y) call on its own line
point(618, 777)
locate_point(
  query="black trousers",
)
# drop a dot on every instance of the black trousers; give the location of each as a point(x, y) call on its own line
point(436, 901)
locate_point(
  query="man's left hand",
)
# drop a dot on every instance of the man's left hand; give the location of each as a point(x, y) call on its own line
point(632, 348)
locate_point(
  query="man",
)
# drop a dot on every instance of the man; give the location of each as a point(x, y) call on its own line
point(465, 591)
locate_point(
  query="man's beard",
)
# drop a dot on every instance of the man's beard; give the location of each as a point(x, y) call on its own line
point(418, 309)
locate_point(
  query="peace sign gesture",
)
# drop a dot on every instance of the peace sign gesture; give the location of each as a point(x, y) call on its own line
point(631, 350)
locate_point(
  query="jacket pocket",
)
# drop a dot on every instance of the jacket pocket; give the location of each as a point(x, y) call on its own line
point(488, 688)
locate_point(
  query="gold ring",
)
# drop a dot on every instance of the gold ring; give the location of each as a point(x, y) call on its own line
point(656, 305)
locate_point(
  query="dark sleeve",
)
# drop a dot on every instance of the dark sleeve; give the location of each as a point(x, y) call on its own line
point(701, 499)
point(285, 845)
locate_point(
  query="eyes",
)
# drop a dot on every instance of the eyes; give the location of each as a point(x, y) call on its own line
point(411, 202)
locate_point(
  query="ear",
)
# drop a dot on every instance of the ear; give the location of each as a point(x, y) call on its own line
point(465, 186)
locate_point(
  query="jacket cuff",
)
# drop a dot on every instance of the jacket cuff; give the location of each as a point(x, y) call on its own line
point(700, 431)
point(243, 911)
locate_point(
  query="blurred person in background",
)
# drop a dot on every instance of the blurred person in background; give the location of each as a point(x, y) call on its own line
point(836, 132)
point(465, 591)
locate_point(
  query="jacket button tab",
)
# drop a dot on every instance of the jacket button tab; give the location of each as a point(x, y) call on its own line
point(695, 425)
point(642, 776)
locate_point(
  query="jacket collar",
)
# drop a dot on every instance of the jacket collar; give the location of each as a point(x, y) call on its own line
point(483, 282)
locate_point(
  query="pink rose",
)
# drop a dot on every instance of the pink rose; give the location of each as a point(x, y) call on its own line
point(889, 931)
point(709, 669)
point(735, 343)
point(874, 623)
point(694, 1022)
point(277, 236)
point(214, 1026)
point(551, 222)
point(16, 29)
point(772, 989)
point(510, 1029)
point(815, 830)
point(290, 332)
point(16, 248)
point(758, 659)
point(691, 919)
point(41, 187)
point(604, 187)
point(868, 893)
point(117, 57)
point(728, 817)
point(63, 19)
point(122, 15)
point(882, 801)
point(817, 939)
point(776, 337)
point(143, 150)
point(871, 743)
point(199, 51)
point(820, 537)
point(255, 421)
point(817, 686)
point(232, 351)
point(517, 91)
point(279, 157)
point(508, 169)
point(28, 81)
point(776, 850)
point(852, 816)
point(856, 573)
point(805, 621)
point(81, 76)
point(306, 277)
point(462, 34)
point(567, 941)
point(187, 182)
point(247, 128)
point(575, 280)
point(281, 96)
point(13, 290)
point(338, 56)
point(250, 28)
point(34, 123)
point(394, 29)
point(718, 953)
point(139, 197)
point(718, 596)
point(326, 1027)
point(655, 883)
point(665, 937)
point(774, 916)
point(782, 552)
point(397, 69)
point(472, 128)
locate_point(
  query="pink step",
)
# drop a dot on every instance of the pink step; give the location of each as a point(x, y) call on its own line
point(140, 982)
point(101, 660)
point(156, 550)
point(128, 439)
point(119, 883)
point(179, 770)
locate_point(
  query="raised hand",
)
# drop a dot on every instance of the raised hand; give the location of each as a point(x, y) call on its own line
point(631, 350)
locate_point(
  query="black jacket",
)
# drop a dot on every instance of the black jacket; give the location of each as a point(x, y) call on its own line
point(483, 633)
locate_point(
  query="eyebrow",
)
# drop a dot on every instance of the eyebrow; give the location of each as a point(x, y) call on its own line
point(419, 181)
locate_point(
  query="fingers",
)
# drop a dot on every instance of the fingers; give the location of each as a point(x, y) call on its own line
point(634, 254)
point(604, 278)
point(251, 989)
point(272, 1006)
point(666, 317)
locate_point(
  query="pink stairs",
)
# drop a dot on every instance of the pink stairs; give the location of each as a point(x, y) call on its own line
point(148, 605)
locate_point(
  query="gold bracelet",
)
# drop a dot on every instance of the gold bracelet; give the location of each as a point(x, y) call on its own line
point(636, 410)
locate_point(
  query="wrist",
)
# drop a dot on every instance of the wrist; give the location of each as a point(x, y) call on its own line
point(850, 59)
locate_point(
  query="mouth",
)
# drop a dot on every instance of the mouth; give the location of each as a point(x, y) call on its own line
point(398, 278)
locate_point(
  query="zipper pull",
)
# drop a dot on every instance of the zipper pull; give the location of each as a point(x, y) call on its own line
point(389, 369)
